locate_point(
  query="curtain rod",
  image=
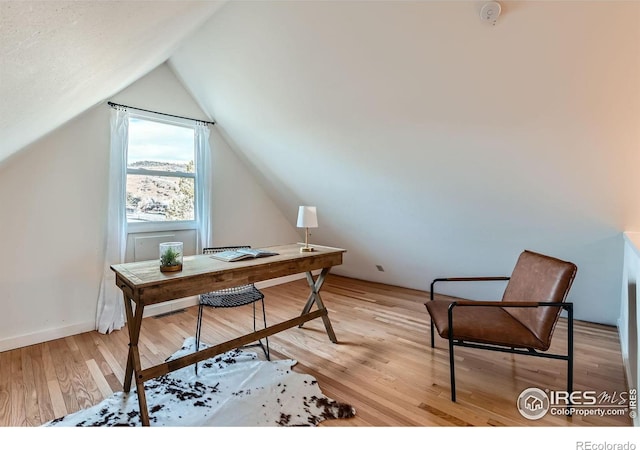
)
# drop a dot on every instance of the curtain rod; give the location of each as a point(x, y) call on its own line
point(113, 105)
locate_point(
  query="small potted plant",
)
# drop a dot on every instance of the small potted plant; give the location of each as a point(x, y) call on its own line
point(171, 256)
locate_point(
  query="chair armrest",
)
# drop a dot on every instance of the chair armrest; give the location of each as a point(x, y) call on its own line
point(564, 305)
point(502, 304)
point(465, 279)
point(495, 303)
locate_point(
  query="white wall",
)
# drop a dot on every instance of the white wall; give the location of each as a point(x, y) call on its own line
point(432, 143)
point(629, 312)
point(53, 210)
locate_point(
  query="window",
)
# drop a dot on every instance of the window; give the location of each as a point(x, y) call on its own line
point(161, 174)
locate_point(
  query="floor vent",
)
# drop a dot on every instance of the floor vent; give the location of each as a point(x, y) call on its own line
point(170, 313)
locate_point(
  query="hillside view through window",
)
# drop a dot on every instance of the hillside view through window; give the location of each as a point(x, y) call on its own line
point(160, 172)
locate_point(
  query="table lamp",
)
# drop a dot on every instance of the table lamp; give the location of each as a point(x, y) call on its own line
point(307, 218)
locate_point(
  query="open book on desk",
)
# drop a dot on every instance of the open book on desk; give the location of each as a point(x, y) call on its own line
point(242, 253)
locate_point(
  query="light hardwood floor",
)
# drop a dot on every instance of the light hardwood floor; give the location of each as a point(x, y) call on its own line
point(383, 364)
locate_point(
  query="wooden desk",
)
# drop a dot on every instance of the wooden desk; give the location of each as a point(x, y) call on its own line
point(143, 284)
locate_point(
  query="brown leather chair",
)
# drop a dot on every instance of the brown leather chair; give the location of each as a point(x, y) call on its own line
point(522, 323)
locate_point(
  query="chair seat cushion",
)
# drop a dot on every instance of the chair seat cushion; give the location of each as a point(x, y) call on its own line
point(501, 328)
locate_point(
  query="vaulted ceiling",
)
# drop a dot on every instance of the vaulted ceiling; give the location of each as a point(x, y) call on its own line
point(58, 58)
point(433, 143)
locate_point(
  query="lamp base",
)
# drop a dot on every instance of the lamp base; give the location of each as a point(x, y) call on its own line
point(306, 249)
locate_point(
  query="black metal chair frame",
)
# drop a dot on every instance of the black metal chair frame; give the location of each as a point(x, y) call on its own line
point(568, 306)
point(231, 298)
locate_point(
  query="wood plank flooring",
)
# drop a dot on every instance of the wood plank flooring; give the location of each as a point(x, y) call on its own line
point(383, 364)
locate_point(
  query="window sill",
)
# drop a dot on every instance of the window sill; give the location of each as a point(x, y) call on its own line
point(150, 227)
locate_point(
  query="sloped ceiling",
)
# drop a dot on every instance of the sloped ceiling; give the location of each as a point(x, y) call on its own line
point(432, 143)
point(58, 58)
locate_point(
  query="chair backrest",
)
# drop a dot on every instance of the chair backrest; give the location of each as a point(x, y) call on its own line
point(539, 278)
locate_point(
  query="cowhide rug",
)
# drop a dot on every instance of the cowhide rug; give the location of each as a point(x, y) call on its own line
point(232, 389)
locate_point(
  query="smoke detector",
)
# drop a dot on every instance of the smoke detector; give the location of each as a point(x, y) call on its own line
point(490, 12)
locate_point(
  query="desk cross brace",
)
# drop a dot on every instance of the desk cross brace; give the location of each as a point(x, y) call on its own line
point(314, 297)
point(134, 322)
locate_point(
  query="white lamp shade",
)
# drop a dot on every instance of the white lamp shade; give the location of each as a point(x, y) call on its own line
point(307, 217)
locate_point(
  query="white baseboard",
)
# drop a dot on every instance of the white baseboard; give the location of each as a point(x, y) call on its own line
point(167, 307)
point(150, 311)
point(282, 280)
point(46, 335)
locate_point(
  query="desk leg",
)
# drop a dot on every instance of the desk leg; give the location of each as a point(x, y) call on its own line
point(314, 297)
point(134, 323)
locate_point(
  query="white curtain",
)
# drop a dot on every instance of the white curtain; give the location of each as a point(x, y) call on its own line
point(110, 314)
point(204, 176)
